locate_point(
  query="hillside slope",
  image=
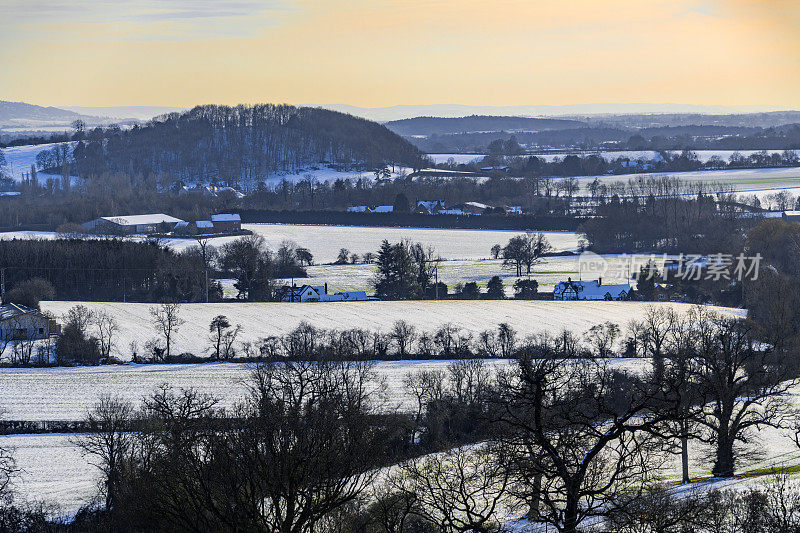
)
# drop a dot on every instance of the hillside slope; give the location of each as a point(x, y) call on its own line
point(22, 112)
point(244, 143)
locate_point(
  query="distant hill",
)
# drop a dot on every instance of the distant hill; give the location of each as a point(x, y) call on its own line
point(138, 112)
point(244, 144)
point(11, 112)
point(398, 112)
point(477, 123)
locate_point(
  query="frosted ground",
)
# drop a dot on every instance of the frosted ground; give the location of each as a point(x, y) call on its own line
point(759, 181)
point(324, 242)
point(53, 469)
point(20, 158)
point(259, 320)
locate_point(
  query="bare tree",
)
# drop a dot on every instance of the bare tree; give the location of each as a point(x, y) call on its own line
point(426, 386)
point(743, 385)
point(166, 320)
point(108, 442)
point(306, 449)
point(464, 489)
point(602, 337)
point(107, 328)
point(403, 335)
point(576, 432)
point(506, 339)
point(207, 252)
point(8, 469)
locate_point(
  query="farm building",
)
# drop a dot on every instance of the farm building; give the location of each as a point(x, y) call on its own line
point(590, 290)
point(198, 227)
point(319, 293)
point(226, 223)
point(383, 209)
point(359, 209)
point(429, 207)
point(18, 323)
point(472, 208)
point(133, 224)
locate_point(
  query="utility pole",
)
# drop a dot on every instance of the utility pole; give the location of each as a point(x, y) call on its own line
point(206, 285)
point(2, 285)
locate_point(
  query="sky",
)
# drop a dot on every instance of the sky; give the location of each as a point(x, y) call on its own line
point(374, 53)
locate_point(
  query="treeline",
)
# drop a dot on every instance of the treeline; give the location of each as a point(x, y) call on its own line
point(240, 144)
point(565, 441)
point(508, 153)
point(601, 136)
point(47, 205)
point(118, 269)
point(667, 215)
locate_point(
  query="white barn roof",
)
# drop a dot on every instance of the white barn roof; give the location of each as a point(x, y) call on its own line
point(138, 220)
point(226, 218)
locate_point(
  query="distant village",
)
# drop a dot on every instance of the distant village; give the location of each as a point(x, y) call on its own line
point(437, 207)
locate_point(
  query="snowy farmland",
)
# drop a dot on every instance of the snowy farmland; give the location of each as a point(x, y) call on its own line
point(53, 469)
point(759, 181)
point(37, 394)
point(20, 158)
point(259, 320)
point(325, 241)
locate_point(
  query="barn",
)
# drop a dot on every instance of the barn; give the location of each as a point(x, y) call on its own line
point(133, 224)
point(226, 223)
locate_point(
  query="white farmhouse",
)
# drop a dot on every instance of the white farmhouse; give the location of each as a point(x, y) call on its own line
point(21, 323)
point(318, 293)
point(590, 290)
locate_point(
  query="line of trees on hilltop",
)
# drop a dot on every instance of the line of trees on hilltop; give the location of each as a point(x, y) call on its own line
point(607, 137)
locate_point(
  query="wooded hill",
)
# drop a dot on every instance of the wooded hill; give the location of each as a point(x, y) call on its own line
point(242, 143)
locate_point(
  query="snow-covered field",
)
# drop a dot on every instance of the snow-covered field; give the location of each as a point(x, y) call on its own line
point(743, 181)
point(54, 470)
point(259, 320)
point(68, 393)
point(20, 158)
point(325, 241)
